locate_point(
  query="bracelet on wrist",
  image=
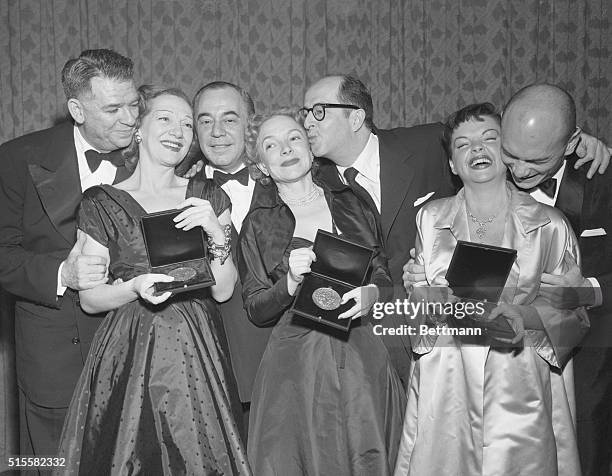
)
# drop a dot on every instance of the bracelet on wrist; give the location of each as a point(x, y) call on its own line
point(221, 252)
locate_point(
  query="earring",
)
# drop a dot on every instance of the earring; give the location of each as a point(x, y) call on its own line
point(137, 137)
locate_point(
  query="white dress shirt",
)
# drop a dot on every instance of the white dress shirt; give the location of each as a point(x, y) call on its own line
point(104, 174)
point(542, 197)
point(240, 195)
point(368, 166)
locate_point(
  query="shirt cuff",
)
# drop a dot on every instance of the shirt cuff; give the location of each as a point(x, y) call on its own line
point(60, 289)
point(597, 291)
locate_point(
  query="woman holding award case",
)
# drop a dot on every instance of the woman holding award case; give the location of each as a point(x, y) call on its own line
point(476, 405)
point(153, 397)
point(324, 402)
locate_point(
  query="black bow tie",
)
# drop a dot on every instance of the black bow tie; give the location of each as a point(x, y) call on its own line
point(221, 178)
point(94, 159)
point(549, 187)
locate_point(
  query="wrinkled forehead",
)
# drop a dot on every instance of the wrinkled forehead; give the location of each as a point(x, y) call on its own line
point(107, 92)
point(170, 103)
point(221, 101)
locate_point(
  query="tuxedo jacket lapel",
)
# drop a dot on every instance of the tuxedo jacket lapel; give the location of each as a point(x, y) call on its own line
point(58, 185)
point(396, 177)
point(571, 196)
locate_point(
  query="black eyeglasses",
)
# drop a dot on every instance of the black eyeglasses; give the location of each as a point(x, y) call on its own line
point(318, 109)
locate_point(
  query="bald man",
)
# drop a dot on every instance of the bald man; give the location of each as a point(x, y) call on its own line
point(539, 140)
point(394, 171)
point(539, 137)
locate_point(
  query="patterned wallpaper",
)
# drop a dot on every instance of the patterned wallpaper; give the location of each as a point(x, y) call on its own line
point(421, 58)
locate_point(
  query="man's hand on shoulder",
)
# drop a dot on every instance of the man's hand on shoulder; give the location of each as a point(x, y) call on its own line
point(194, 169)
point(591, 149)
point(79, 271)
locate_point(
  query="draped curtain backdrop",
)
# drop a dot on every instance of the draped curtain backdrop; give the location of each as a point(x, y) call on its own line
point(421, 58)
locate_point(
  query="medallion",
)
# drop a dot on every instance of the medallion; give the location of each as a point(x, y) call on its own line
point(183, 274)
point(326, 298)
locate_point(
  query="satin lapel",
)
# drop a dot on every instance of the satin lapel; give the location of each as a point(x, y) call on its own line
point(571, 197)
point(396, 178)
point(59, 188)
point(274, 224)
point(258, 189)
point(459, 226)
point(513, 234)
point(275, 235)
point(234, 242)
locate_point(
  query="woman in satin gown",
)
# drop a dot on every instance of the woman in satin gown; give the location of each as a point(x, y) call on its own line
point(153, 397)
point(323, 402)
point(477, 406)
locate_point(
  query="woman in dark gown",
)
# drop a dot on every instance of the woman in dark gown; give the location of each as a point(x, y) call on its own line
point(153, 397)
point(323, 403)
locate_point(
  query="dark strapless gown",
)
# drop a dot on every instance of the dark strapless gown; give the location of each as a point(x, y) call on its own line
point(324, 404)
point(153, 397)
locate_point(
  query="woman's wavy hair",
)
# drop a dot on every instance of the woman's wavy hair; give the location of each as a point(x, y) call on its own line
point(146, 93)
point(253, 156)
point(470, 112)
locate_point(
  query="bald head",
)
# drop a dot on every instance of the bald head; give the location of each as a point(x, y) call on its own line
point(542, 110)
point(538, 131)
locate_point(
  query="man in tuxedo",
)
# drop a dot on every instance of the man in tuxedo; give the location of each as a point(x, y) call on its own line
point(222, 111)
point(539, 137)
point(539, 141)
point(394, 171)
point(42, 177)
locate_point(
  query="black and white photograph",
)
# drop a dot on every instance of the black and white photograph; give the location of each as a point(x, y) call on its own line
point(306, 237)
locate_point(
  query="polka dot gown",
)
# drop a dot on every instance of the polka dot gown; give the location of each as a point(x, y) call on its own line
point(153, 397)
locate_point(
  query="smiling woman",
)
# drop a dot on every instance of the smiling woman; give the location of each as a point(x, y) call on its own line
point(474, 396)
point(156, 394)
point(325, 384)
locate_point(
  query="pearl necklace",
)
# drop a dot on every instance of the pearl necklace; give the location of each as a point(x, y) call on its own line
point(310, 197)
point(481, 231)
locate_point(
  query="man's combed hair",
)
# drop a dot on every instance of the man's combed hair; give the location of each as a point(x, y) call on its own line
point(353, 91)
point(467, 113)
point(78, 72)
point(247, 101)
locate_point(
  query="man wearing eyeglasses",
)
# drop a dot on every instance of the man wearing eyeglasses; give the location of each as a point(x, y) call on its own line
point(398, 169)
point(393, 171)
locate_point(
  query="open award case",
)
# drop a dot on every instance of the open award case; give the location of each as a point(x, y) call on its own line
point(178, 253)
point(478, 273)
point(341, 266)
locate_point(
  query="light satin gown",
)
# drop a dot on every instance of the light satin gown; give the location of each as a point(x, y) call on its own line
point(474, 409)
